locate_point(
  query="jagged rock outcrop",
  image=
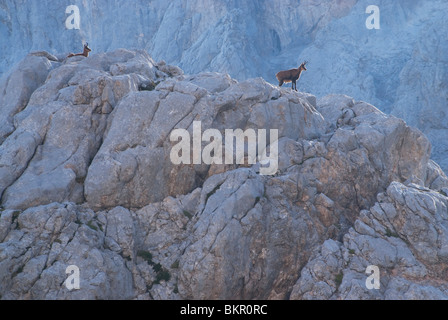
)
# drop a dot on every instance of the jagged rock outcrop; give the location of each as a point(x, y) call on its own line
point(87, 180)
point(46, 155)
point(400, 68)
point(125, 168)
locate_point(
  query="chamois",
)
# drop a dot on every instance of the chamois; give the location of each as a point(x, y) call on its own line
point(291, 75)
point(85, 53)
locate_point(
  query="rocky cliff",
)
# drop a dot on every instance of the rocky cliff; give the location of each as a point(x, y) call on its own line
point(86, 179)
point(401, 68)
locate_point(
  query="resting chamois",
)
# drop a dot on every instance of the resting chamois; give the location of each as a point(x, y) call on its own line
point(291, 75)
point(85, 53)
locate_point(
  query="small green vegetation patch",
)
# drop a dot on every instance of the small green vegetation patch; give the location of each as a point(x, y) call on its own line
point(145, 255)
point(175, 265)
point(162, 275)
point(339, 278)
point(188, 214)
point(390, 233)
point(92, 226)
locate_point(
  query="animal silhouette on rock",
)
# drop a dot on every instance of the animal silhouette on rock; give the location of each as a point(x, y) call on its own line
point(85, 52)
point(291, 75)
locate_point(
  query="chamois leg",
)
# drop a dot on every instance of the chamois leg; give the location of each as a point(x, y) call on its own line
point(280, 83)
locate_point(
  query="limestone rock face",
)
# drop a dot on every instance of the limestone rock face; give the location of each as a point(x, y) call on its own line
point(30, 74)
point(88, 180)
point(403, 234)
point(401, 68)
point(47, 155)
point(136, 151)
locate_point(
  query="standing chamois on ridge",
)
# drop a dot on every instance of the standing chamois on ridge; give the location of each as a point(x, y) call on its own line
point(291, 75)
point(85, 53)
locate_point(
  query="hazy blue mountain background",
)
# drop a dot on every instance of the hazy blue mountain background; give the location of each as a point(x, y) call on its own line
point(401, 68)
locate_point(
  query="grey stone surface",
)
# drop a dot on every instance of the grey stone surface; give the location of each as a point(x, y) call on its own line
point(404, 235)
point(400, 68)
point(87, 180)
point(125, 168)
point(17, 88)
